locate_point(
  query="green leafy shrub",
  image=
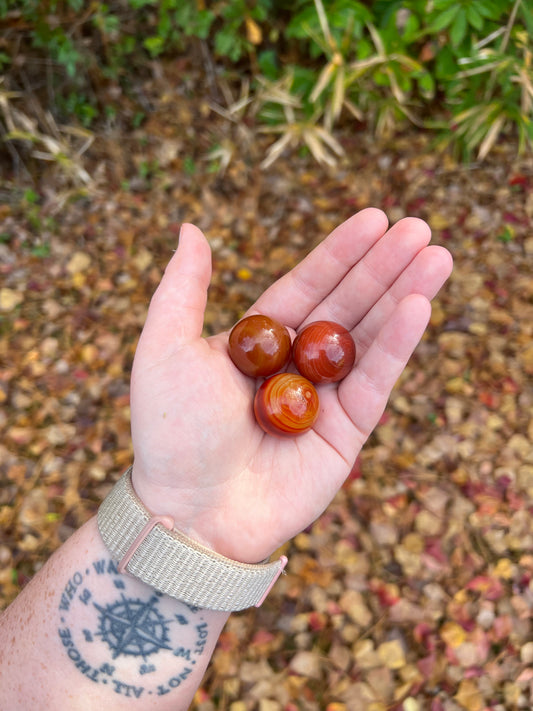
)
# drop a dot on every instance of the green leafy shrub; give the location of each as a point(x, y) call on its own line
point(463, 67)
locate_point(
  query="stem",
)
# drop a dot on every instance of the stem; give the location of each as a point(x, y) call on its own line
point(505, 41)
point(323, 19)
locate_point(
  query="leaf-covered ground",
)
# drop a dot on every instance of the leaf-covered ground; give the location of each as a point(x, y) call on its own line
point(414, 591)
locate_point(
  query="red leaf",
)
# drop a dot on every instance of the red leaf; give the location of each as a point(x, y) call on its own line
point(490, 588)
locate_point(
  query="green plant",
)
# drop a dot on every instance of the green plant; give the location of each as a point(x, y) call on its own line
point(298, 127)
point(491, 87)
point(460, 67)
point(148, 170)
point(30, 196)
point(391, 60)
point(46, 34)
point(45, 140)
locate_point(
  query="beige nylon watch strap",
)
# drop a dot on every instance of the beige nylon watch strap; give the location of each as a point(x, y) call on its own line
point(149, 548)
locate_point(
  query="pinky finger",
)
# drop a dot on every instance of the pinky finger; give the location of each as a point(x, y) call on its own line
point(365, 392)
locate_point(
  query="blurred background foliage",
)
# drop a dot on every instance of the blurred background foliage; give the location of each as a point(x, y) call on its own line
point(302, 68)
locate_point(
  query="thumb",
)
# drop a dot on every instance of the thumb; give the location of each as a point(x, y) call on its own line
point(176, 312)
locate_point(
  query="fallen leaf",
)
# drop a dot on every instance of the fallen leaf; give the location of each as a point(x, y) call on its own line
point(10, 299)
point(392, 654)
point(79, 262)
point(469, 697)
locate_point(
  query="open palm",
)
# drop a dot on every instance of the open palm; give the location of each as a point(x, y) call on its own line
point(199, 454)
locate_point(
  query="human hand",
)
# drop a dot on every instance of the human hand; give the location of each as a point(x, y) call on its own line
point(199, 454)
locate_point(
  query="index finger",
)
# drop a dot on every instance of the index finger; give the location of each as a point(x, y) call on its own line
point(293, 297)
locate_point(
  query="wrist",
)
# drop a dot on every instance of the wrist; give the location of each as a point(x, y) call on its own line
point(193, 512)
point(150, 548)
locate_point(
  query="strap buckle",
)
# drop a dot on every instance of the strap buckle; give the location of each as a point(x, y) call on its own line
point(166, 521)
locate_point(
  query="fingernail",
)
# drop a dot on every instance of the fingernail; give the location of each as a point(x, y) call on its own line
point(179, 237)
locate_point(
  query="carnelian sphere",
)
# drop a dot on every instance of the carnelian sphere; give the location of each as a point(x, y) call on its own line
point(259, 346)
point(286, 405)
point(324, 352)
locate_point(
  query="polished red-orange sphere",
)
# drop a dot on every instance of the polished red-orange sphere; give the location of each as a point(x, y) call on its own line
point(259, 346)
point(286, 405)
point(324, 352)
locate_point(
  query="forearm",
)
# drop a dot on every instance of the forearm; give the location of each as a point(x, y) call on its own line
point(82, 635)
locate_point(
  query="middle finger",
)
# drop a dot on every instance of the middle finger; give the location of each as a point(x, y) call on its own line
point(366, 283)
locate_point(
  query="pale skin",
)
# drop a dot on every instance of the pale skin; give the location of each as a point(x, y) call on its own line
point(81, 635)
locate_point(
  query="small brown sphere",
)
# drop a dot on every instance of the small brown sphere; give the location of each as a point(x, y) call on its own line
point(324, 352)
point(259, 346)
point(286, 405)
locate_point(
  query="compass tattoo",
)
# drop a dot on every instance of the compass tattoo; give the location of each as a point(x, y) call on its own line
point(125, 636)
point(133, 627)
